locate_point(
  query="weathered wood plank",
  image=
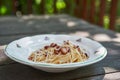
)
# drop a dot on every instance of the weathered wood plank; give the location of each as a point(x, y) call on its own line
point(84, 10)
point(86, 32)
point(92, 11)
point(68, 6)
point(110, 76)
point(77, 8)
point(3, 58)
point(29, 6)
point(35, 24)
point(14, 4)
point(101, 12)
point(54, 6)
point(92, 70)
point(42, 6)
point(0, 5)
point(25, 26)
point(113, 11)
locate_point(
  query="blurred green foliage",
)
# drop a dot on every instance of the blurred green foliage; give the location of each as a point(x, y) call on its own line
point(6, 7)
point(3, 10)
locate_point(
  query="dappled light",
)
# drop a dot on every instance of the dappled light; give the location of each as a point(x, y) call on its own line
point(71, 24)
point(47, 17)
point(105, 37)
point(81, 33)
point(117, 34)
point(63, 20)
point(12, 28)
point(116, 39)
point(113, 76)
point(27, 17)
point(96, 20)
point(101, 37)
point(109, 69)
point(35, 17)
point(30, 22)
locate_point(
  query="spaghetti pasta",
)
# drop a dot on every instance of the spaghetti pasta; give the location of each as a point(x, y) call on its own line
point(56, 54)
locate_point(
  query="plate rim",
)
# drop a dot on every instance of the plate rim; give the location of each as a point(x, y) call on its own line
point(77, 64)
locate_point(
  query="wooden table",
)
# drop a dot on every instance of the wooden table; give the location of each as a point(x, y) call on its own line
point(12, 28)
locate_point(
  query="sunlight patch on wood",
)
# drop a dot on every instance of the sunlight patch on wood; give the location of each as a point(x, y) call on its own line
point(116, 39)
point(27, 17)
point(63, 20)
point(47, 17)
point(3, 57)
point(109, 69)
point(71, 24)
point(81, 33)
point(101, 37)
point(118, 35)
point(112, 76)
point(35, 17)
point(30, 22)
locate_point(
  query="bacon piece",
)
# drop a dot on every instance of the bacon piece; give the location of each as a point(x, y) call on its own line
point(63, 50)
point(46, 47)
point(53, 45)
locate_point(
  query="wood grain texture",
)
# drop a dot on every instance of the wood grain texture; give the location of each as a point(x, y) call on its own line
point(84, 11)
point(92, 11)
point(113, 11)
point(100, 68)
point(101, 12)
point(58, 24)
point(42, 6)
point(68, 6)
point(4, 60)
point(14, 3)
point(110, 76)
point(29, 6)
point(0, 5)
point(54, 6)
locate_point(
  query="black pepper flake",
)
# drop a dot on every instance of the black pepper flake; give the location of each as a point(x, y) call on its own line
point(86, 54)
point(46, 38)
point(18, 45)
point(96, 52)
point(37, 52)
point(79, 40)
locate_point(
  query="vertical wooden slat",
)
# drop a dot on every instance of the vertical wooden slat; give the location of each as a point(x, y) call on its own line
point(0, 5)
point(84, 9)
point(80, 8)
point(29, 6)
point(67, 2)
point(113, 10)
point(42, 6)
point(77, 8)
point(101, 12)
point(54, 6)
point(77, 2)
point(14, 3)
point(92, 11)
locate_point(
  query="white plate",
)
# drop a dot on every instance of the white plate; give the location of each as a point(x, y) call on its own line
point(19, 50)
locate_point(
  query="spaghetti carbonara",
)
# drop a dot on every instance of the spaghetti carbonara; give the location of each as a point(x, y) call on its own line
point(59, 54)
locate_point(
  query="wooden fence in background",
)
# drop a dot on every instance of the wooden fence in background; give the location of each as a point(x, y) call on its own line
point(81, 10)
